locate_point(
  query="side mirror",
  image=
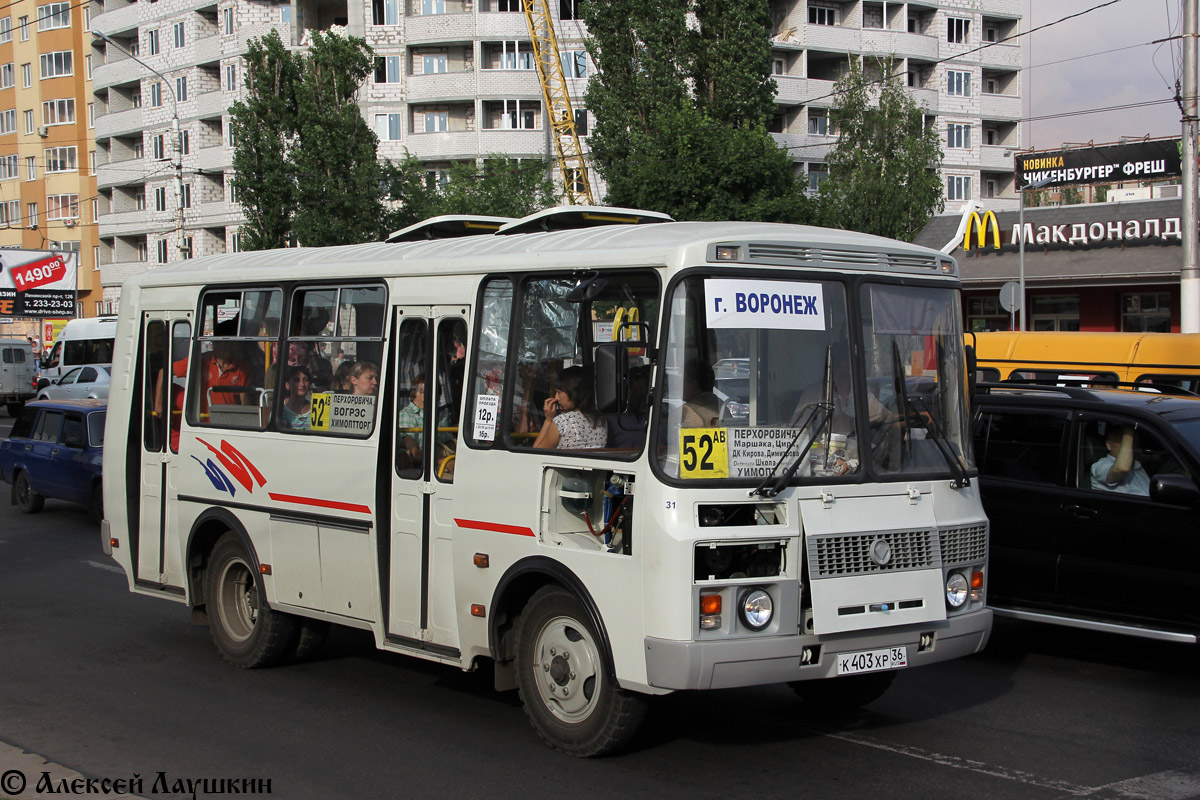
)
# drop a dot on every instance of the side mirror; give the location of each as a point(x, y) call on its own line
point(612, 377)
point(1177, 490)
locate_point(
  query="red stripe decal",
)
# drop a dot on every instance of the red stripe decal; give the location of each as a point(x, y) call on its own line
point(313, 501)
point(494, 527)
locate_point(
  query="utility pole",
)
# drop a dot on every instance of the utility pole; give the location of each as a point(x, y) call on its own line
point(1189, 276)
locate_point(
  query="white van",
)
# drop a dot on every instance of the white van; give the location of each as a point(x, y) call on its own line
point(81, 341)
point(17, 374)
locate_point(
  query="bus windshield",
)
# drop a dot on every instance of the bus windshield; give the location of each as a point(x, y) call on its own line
point(764, 377)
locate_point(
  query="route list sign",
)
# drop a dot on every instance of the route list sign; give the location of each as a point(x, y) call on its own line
point(37, 283)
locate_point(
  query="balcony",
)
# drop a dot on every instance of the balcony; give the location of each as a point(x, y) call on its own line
point(902, 44)
point(126, 223)
point(447, 146)
point(120, 123)
point(121, 173)
point(1000, 106)
point(925, 98)
point(117, 73)
point(513, 143)
point(833, 38)
point(996, 158)
point(790, 91)
point(1001, 55)
point(112, 23)
point(509, 83)
point(442, 86)
point(212, 159)
point(505, 25)
point(208, 49)
point(444, 28)
point(211, 104)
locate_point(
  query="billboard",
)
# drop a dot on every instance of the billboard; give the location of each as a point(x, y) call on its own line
point(37, 283)
point(1136, 161)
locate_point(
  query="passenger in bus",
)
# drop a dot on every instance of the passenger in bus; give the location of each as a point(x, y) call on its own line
point(223, 376)
point(321, 371)
point(297, 402)
point(1118, 471)
point(572, 421)
point(702, 408)
point(411, 420)
point(363, 378)
point(341, 378)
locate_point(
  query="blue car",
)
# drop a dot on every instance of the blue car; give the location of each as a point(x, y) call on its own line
point(55, 451)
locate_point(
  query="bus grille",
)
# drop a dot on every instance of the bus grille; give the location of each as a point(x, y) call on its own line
point(964, 545)
point(850, 554)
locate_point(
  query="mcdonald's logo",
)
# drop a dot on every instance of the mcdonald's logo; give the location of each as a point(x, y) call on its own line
point(982, 223)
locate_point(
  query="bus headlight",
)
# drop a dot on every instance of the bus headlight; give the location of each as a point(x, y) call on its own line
point(756, 609)
point(957, 588)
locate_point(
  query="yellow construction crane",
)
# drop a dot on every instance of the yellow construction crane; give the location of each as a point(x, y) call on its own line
point(576, 182)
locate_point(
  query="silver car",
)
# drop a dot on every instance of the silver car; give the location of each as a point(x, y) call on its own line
point(79, 383)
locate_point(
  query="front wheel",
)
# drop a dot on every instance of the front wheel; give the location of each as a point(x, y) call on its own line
point(844, 693)
point(29, 501)
point(248, 633)
point(568, 694)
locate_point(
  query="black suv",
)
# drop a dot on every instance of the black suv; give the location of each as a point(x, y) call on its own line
point(1075, 541)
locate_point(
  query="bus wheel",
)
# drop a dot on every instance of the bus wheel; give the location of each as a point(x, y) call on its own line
point(845, 693)
point(573, 703)
point(30, 501)
point(247, 632)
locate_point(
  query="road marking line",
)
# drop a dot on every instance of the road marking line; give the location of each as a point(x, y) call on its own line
point(1174, 784)
point(109, 567)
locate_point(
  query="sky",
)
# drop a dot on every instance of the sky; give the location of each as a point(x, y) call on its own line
point(1101, 72)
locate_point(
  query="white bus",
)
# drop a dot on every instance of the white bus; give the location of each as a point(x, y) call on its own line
point(773, 485)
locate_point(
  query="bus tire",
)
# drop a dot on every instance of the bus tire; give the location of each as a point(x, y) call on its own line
point(568, 695)
point(845, 693)
point(247, 632)
point(24, 496)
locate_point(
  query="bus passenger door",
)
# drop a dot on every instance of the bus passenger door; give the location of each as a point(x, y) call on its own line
point(428, 381)
point(166, 340)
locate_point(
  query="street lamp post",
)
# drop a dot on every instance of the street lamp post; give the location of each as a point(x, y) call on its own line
point(177, 159)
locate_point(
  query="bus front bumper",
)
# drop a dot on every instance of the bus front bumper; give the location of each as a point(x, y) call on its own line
point(728, 663)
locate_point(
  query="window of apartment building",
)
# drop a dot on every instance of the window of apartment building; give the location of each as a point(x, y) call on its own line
point(185, 142)
point(152, 46)
point(91, 115)
point(508, 55)
point(10, 212)
point(87, 66)
point(27, 75)
point(160, 198)
point(58, 112)
point(28, 115)
point(569, 9)
point(388, 127)
point(958, 136)
point(62, 206)
point(958, 83)
point(180, 34)
point(385, 12)
point(23, 26)
point(234, 194)
point(8, 167)
point(991, 86)
point(227, 20)
point(158, 147)
point(8, 76)
point(437, 121)
point(958, 187)
point(139, 200)
point(434, 63)
point(387, 69)
point(990, 34)
point(822, 15)
point(230, 136)
point(957, 30)
point(143, 251)
point(185, 195)
point(95, 210)
point(574, 63)
point(57, 64)
point(989, 188)
point(31, 168)
point(818, 122)
point(139, 150)
point(62, 159)
point(1146, 311)
point(185, 248)
point(156, 99)
point(285, 15)
point(433, 7)
point(5, 29)
point(31, 216)
point(8, 121)
point(513, 114)
point(991, 136)
point(231, 78)
point(778, 66)
point(161, 247)
point(54, 15)
point(437, 178)
point(581, 121)
point(181, 89)
point(510, 5)
point(817, 173)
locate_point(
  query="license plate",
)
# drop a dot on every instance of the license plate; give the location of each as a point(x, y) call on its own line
point(872, 660)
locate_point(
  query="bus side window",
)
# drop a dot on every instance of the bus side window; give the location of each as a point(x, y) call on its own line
point(154, 426)
point(235, 356)
point(451, 363)
point(412, 392)
point(491, 346)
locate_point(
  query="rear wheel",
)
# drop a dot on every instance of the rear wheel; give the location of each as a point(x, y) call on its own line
point(247, 632)
point(29, 501)
point(845, 693)
point(568, 694)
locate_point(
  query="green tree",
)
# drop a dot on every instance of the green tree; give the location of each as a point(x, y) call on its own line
point(1101, 192)
point(681, 110)
point(1070, 196)
point(498, 186)
point(883, 169)
point(264, 128)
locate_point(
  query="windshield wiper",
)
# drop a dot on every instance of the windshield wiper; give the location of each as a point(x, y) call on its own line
point(776, 484)
point(917, 412)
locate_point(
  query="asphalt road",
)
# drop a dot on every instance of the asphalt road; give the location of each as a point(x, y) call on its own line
point(112, 685)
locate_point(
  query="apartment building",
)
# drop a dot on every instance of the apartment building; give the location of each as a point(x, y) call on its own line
point(48, 197)
point(455, 79)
